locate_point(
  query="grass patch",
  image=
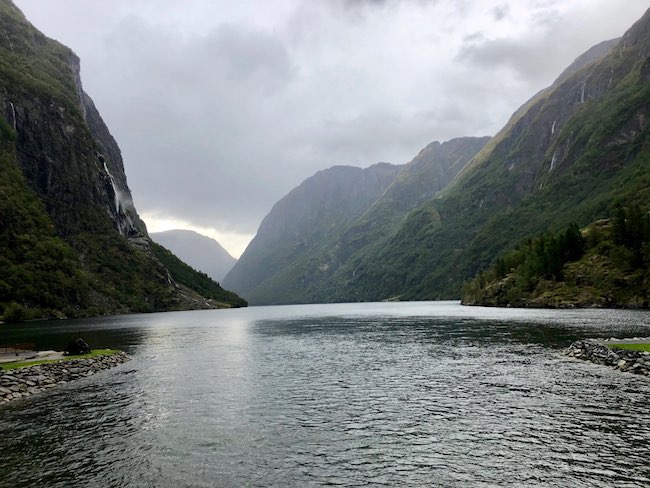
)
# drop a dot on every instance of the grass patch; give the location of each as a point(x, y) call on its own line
point(632, 347)
point(24, 364)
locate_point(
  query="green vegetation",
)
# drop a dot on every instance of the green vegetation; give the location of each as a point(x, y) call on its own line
point(607, 265)
point(536, 260)
point(65, 251)
point(24, 364)
point(631, 347)
point(38, 270)
point(562, 160)
point(31, 63)
point(195, 280)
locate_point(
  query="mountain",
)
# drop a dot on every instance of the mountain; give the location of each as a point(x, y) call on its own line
point(71, 240)
point(570, 154)
point(303, 224)
point(310, 235)
point(201, 252)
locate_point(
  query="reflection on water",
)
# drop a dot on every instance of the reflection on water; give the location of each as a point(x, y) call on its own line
point(409, 394)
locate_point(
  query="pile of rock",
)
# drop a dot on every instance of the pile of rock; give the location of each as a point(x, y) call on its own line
point(23, 382)
point(597, 352)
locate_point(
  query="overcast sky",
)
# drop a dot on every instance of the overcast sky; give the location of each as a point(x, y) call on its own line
point(222, 107)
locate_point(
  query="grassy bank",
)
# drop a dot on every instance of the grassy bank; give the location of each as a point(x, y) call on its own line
point(632, 347)
point(24, 364)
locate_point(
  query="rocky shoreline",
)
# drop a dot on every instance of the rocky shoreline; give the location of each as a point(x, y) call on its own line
point(30, 380)
point(637, 362)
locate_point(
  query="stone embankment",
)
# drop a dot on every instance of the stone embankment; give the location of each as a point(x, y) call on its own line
point(27, 381)
point(637, 362)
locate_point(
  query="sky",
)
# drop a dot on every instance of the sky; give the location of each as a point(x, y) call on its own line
point(222, 107)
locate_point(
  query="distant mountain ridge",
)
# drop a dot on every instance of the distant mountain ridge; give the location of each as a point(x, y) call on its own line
point(201, 252)
point(312, 232)
point(303, 223)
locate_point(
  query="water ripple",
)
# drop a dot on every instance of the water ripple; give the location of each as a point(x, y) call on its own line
point(364, 397)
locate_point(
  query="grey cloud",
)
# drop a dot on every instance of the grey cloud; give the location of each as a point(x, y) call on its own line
point(363, 3)
point(355, 4)
point(249, 55)
point(529, 61)
point(359, 10)
point(501, 12)
point(198, 106)
point(552, 41)
point(227, 54)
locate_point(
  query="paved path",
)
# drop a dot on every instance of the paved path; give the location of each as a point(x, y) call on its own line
point(10, 357)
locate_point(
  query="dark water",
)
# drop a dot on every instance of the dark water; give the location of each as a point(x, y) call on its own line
point(424, 394)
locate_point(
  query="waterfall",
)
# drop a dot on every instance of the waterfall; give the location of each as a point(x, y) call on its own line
point(120, 204)
point(553, 160)
point(13, 113)
point(115, 190)
point(611, 77)
point(553, 127)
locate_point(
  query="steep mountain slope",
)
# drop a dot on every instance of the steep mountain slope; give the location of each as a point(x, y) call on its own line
point(307, 276)
point(300, 226)
point(70, 238)
point(422, 178)
point(568, 155)
point(201, 252)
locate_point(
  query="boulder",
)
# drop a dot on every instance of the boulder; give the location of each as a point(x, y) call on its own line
point(76, 347)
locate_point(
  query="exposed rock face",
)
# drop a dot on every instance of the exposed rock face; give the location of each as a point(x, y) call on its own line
point(201, 252)
point(422, 178)
point(68, 156)
point(126, 217)
point(592, 55)
point(431, 171)
point(63, 147)
point(565, 156)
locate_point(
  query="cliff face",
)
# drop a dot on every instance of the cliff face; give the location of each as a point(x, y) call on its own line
point(423, 177)
point(61, 162)
point(65, 151)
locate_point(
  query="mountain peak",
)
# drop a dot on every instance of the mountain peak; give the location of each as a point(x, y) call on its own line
point(201, 252)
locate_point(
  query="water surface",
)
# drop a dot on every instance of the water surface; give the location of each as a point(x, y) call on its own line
point(382, 394)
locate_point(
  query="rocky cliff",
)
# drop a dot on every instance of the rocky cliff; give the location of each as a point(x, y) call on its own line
point(71, 237)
